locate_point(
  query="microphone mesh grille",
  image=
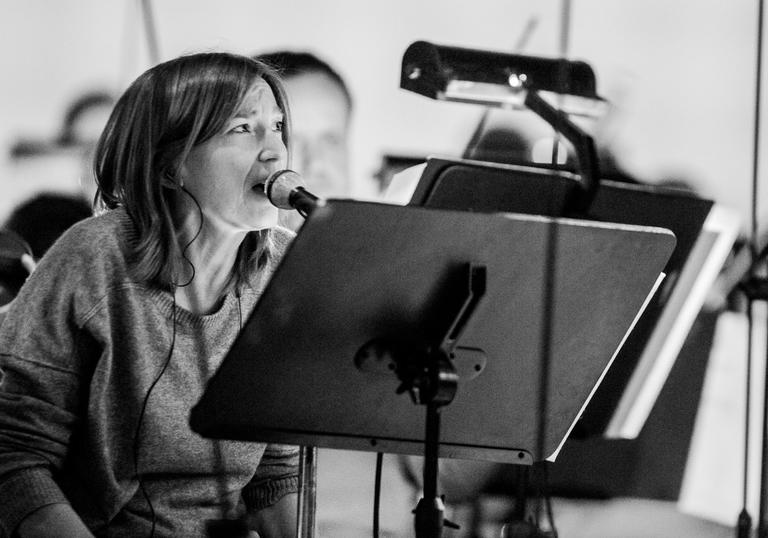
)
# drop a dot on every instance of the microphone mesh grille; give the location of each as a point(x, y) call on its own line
point(280, 185)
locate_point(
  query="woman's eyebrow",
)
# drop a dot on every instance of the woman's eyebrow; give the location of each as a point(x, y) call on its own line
point(246, 114)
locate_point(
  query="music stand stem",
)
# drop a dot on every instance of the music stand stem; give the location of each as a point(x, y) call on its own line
point(429, 512)
point(756, 289)
point(762, 525)
point(426, 371)
point(306, 525)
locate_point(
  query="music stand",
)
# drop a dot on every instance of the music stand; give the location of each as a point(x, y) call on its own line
point(705, 234)
point(397, 282)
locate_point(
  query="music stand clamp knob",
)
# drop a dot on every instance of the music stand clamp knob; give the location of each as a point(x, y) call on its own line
point(431, 378)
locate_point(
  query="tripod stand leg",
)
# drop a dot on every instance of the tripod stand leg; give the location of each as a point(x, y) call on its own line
point(306, 526)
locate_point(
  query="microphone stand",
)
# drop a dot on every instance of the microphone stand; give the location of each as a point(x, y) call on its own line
point(755, 288)
point(304, 201)
point(285, 190)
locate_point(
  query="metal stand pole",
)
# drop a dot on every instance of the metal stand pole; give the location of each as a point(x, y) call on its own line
point(306, 526)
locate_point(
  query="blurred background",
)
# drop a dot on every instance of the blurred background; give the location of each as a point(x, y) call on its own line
point(679, 76)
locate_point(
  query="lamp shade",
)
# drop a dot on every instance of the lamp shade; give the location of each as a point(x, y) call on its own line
point(440, 72)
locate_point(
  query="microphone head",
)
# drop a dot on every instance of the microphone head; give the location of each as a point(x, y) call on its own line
point(279, 186)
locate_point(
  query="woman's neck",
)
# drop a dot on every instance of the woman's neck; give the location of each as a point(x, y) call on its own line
point(213, 254)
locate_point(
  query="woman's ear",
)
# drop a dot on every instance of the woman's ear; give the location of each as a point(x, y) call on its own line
point(169, 181)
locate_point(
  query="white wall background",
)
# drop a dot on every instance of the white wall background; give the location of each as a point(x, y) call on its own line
point(679, 72)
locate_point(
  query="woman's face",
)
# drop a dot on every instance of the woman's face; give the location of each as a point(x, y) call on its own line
point(226, 173)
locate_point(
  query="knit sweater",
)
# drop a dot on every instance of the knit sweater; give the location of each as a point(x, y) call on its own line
point(80, 350)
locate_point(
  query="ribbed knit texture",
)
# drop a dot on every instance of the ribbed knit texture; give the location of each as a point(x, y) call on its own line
point(79, 351)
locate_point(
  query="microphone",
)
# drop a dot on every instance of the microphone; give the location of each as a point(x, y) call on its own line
point(285, 189)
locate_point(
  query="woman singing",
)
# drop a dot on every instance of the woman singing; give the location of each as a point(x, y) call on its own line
point(112, 339)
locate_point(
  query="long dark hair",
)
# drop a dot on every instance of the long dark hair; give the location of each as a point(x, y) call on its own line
point(167, 111)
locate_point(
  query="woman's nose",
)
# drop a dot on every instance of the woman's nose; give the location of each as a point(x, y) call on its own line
point(273, 150)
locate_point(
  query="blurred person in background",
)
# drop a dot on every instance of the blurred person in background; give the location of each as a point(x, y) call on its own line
point(81, 126)
point(83, 123)
point(32, 228)
point(62, 164)
point(41, 220)
point(321, 110)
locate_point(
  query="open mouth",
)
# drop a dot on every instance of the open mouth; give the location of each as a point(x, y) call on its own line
point(258, 188)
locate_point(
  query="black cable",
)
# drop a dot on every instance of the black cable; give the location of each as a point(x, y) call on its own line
point(218, 455)
point(538, 487)
point(137, 433)
point(762, 524)
point(548, 500)
point(194, 238)
point(543, 481)
point(744, 525)
point(377, 494)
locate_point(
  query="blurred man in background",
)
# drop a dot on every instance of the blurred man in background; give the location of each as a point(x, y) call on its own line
point(321, 112)
point(321, 108)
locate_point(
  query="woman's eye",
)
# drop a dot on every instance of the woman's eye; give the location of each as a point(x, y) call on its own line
point(242, 128)
point(279, 126)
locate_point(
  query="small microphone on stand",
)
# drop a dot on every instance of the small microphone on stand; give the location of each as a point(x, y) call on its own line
point(285, 189)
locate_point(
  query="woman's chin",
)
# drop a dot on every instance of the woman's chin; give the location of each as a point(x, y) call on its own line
point(266, 218)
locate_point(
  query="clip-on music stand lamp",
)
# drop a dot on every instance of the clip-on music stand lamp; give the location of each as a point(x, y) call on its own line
point(705, 231)
point(455, 308)
point(548, 87)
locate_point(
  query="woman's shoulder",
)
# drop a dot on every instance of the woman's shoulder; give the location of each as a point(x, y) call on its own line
point(103, 225)
point(79, 269)
point(96, 244)
point(96, 234)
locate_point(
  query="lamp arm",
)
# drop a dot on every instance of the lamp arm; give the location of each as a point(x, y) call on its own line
point(582, 143)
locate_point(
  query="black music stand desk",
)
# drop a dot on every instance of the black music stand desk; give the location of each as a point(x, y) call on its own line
point(704, 234)
point(557, 299)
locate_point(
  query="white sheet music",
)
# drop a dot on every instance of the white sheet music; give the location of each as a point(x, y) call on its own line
point(714, 475)
point(704, 262)
point(403, 184)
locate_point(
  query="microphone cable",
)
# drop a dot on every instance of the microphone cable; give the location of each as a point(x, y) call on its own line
point(145, 402)
point(137, 433)
point(377, 494)
point(228, 525)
